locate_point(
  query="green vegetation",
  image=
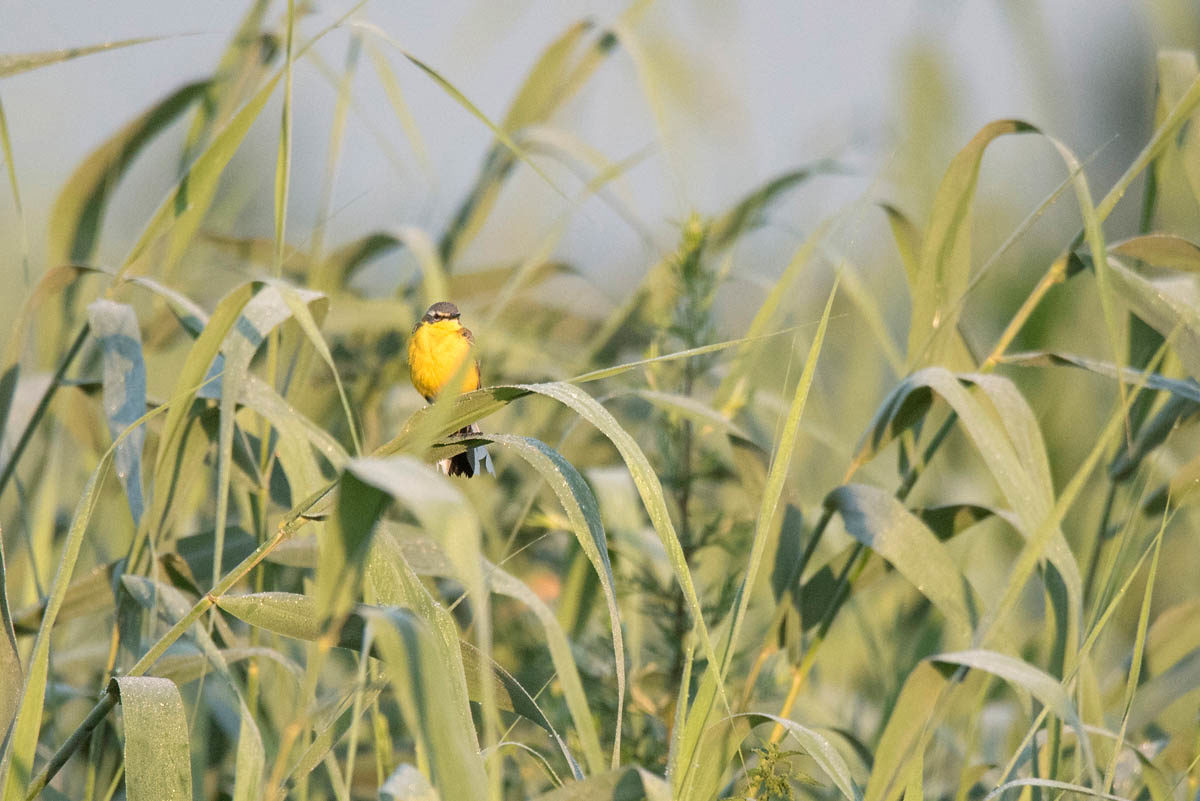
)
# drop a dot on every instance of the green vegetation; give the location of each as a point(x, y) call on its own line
point(704, 569)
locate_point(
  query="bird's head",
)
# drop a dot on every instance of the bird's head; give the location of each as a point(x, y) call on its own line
point(442, 310)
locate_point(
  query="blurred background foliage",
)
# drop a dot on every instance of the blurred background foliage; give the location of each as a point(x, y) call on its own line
point(844, 439)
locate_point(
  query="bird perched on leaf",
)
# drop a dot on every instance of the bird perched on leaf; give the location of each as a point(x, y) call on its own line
point(436, 351)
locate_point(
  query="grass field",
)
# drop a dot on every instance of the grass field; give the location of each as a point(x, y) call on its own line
point(921, 529)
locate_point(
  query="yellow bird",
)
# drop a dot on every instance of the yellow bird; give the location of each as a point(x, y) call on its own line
point(436, 350)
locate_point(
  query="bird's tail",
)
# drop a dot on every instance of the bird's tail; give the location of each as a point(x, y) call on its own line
point(469, 461)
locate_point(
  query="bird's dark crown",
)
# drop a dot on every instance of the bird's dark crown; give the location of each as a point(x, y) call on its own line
point(442, 310)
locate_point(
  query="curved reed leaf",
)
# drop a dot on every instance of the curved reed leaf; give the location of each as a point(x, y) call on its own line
point(876, 519)
point(649, 488)
point(580, 505)
point(944, 266)
point(1184, 389)
point(1037, 682)
point(115, 327)
point(908, 242)
point(158, 763)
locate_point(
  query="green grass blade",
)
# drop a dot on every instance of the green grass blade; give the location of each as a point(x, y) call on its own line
point(700, 716)
point(781, 462)
point(158, 763)
point(181, 213)
point(1139, 650)
point(261, 315)
point(299, 304)
point(283, 158)
point(15, 186)
point(393, 570)
point(16, 63)
point(1007, 438)
point(10, 658)
point(195, 367)
point(245, 57)
point(395, 95)
point(55, 281)
point(649, 488)
point(502, 135)
point(906, 733)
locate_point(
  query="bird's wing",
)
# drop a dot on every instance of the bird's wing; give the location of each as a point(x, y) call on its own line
point(467, 335)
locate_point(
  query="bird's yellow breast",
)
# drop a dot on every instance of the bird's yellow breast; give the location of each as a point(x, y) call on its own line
point(435, 352)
